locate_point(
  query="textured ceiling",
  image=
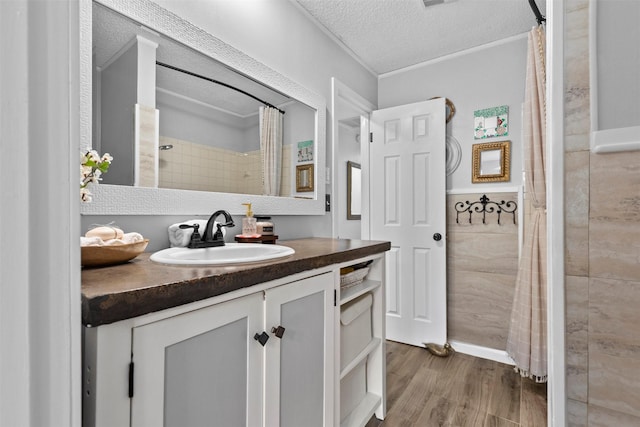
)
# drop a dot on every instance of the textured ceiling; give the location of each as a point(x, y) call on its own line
point(388, 35)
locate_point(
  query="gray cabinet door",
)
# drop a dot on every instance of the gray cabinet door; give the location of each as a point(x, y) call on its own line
point(299, 383)
point(201, 368)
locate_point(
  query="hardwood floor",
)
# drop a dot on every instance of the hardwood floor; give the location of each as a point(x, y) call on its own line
point(459, 390)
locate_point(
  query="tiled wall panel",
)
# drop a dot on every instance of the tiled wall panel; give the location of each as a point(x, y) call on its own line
point(482, 261)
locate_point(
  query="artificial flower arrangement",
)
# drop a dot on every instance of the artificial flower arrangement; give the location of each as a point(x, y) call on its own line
point(92, 166)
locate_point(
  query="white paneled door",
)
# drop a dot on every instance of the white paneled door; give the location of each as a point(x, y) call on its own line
point(407, 207)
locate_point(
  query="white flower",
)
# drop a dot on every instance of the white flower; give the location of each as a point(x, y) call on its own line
point(93, 155)
point(92, 166)
point(85, 195)
point(85, 172)
point(95, 177)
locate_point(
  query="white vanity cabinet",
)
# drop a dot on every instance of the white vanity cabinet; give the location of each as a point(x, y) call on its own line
point(200, 366)
point(271, 354)
point(205, 366)
point(299, 365)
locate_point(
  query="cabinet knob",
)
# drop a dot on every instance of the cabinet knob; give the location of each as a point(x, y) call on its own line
point(261, 338)
point(278, 331)
point(437, 237)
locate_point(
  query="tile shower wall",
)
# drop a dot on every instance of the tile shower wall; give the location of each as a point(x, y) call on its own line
point(482, 261)
point(602, 235)
point(190, 166)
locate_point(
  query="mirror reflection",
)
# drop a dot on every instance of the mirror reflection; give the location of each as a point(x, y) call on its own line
point(354, 188)
point(491, 162)
point(175, 118)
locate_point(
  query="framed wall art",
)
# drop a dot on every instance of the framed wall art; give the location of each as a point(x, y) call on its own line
point(491, 122)
point(305, 151)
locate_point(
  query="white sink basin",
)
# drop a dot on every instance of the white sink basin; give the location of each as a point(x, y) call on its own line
point(229, 254)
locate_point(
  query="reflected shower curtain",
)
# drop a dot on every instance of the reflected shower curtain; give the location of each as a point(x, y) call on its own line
point(527, 341)
point(271, 149)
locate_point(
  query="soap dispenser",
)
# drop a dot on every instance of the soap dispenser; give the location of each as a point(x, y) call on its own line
point(249, 223)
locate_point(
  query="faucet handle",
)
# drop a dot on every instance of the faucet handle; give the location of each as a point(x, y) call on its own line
point(218, 234)
point(196, 235)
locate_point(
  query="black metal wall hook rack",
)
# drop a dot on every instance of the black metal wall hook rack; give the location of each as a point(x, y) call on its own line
point(484, 206)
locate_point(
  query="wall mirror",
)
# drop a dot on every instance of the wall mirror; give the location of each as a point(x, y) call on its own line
point(304, 178)
point(491, 162)
point(354, 188)
point(180, 141)
point(614, 78)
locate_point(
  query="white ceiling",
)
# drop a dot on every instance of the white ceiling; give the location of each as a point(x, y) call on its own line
point(388, 35)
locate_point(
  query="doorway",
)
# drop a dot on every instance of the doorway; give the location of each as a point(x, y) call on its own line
point(350, 115)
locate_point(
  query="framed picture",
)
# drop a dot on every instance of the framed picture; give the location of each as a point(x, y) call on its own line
point(304, 178)
point(305, 151)
point(491, 162)
point(491, 122)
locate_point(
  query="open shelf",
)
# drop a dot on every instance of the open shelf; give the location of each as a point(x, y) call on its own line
point(373, 344)
point(352, 292)
point(363, 412)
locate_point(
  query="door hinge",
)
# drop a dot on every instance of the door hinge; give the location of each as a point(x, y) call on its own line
point(131, 379)
point(370, 136)
point(335, 298)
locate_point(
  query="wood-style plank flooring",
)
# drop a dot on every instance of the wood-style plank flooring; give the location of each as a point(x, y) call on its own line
point(459, 390)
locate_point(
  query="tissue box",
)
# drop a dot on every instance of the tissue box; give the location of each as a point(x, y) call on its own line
point(353, 388)
point(355, 328)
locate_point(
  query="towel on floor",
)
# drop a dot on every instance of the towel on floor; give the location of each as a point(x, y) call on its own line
point(180, 237)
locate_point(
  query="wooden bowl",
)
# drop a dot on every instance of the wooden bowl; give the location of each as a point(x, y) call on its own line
point(97, 256)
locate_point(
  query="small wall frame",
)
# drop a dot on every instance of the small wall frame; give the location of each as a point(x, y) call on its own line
point(304, 178)
point(491, 162)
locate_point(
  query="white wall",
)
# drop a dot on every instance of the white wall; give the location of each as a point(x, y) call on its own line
point(118, 97)
point(40, 363)
point(475, 79)
point(278, 34)
point(204, 126)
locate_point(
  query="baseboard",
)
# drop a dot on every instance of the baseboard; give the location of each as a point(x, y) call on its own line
point(483, 352)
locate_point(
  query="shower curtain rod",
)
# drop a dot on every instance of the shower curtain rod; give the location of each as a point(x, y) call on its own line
point(162, 64)
point(536, 11)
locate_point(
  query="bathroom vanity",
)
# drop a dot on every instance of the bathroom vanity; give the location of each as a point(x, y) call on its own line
point(254, 345)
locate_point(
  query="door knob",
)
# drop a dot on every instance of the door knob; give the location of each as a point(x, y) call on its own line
point(278, 331)
point(437, 237)
point(261, 338)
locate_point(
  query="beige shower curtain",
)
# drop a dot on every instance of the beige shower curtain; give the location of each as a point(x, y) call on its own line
point(271, 149)
point(527, 341)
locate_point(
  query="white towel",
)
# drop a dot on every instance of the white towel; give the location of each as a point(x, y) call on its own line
point(180, 237)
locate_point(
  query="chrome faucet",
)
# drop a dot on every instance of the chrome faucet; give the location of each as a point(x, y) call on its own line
point(210, 238)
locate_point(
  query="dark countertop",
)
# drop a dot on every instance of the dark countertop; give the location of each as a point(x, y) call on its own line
point(119, 292)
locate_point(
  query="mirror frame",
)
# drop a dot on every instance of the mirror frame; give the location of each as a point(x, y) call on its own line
point(505, 162)
point(350, 166)
point(304, 178)
point(124, 200)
